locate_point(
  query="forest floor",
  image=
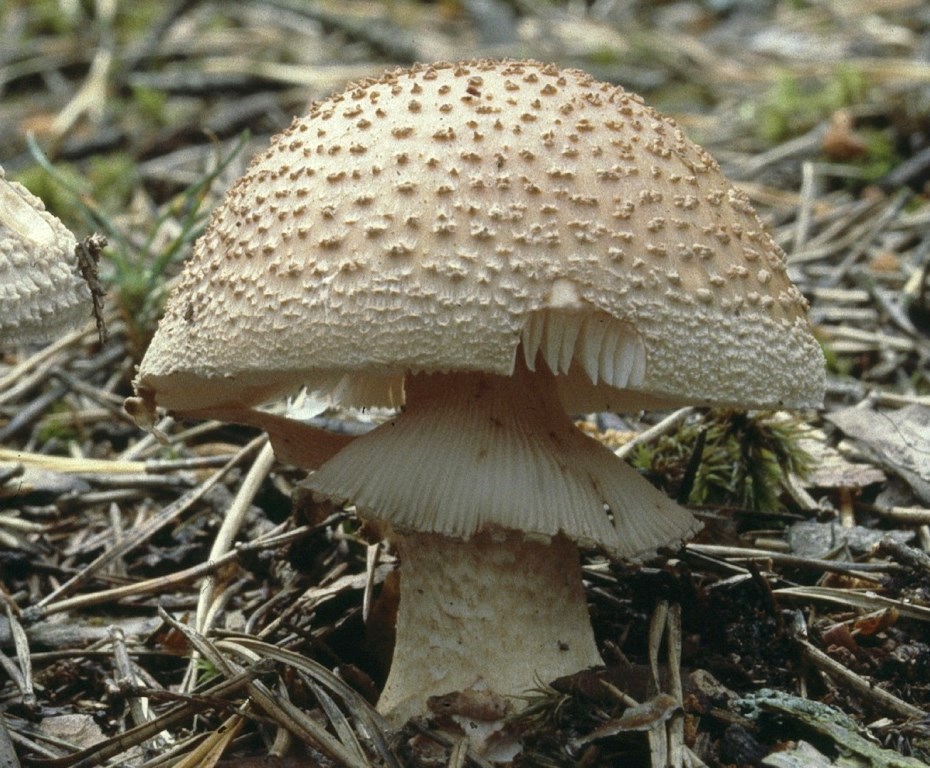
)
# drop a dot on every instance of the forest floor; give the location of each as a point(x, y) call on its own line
point(162, 604)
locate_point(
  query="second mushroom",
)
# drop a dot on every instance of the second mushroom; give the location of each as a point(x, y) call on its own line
point(491, 246)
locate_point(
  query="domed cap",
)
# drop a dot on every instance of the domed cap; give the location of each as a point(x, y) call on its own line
point(434, 218)
point(41, 290)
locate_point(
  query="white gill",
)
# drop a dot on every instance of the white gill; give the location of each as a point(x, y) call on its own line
point(608, 350)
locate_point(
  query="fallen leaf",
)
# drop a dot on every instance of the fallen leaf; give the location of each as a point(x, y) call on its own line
point(898, 440)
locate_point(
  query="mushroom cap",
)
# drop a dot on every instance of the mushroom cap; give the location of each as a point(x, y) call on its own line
point(41, 290)
point(434, 218)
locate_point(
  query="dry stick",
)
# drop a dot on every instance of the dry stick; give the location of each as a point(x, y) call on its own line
point(838, 274)
point(26, 414)
point(281, 709)
point(855, 390)
point(676, 727)
point(657, 624)
point(808, 195)
point(459, 753)
point(372, 721)
point(118, 568)
point(833, 216)
point(841, 295)
point(158, 585)
point(98, 754)
point(895, 400)
point(873, 339)
point(281, 744)
point(207, 607)
point(855, 599)
point(232, 523)
point(126, 677)
point(666, 621)
point(837, 315)
point(799, 147)
point(668, 424)
point(40, 358)
point(312, 596)
point(31, 411)
point(12, 522)
point(910, 556)
point(189, 742)
point(890, 304)
point(909, 515)
point(420, 725)
point(158, 438)
point(13, 673)
point(144, 532)
point(154, 36)
point(210, 750)
point(83, 416)
point(742, 554)
point(163, 584)
point(371, 563)
point(91, 97)
point(130, 480)
point(878, 697)
point(23, 674)
point(113, 403)
point(148, 442)
point(8, 757)
point(383, 37)
point(923, 536)
point(337, 719)
point(838, 237)
point(161, 466)
point(34, 370)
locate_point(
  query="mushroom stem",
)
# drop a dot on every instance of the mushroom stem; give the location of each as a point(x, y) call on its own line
point(498, 612)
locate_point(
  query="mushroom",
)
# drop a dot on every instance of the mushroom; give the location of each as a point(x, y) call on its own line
point(491, 245)
point(41, 289)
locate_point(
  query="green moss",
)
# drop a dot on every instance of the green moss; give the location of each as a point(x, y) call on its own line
point(604, 56)
point(880, 155)
point(152, 104)
point(744, 458)
point(112, 180)
point(792, 106)
point(206, 671)
point(837, 364)
point(136, 19)
point(56, 429)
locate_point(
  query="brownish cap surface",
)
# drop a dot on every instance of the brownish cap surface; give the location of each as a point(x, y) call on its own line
point(432, 219)
point(42, 294)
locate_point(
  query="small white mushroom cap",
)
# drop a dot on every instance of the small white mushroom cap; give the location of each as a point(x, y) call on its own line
point(42, 293)
point(432, 219)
